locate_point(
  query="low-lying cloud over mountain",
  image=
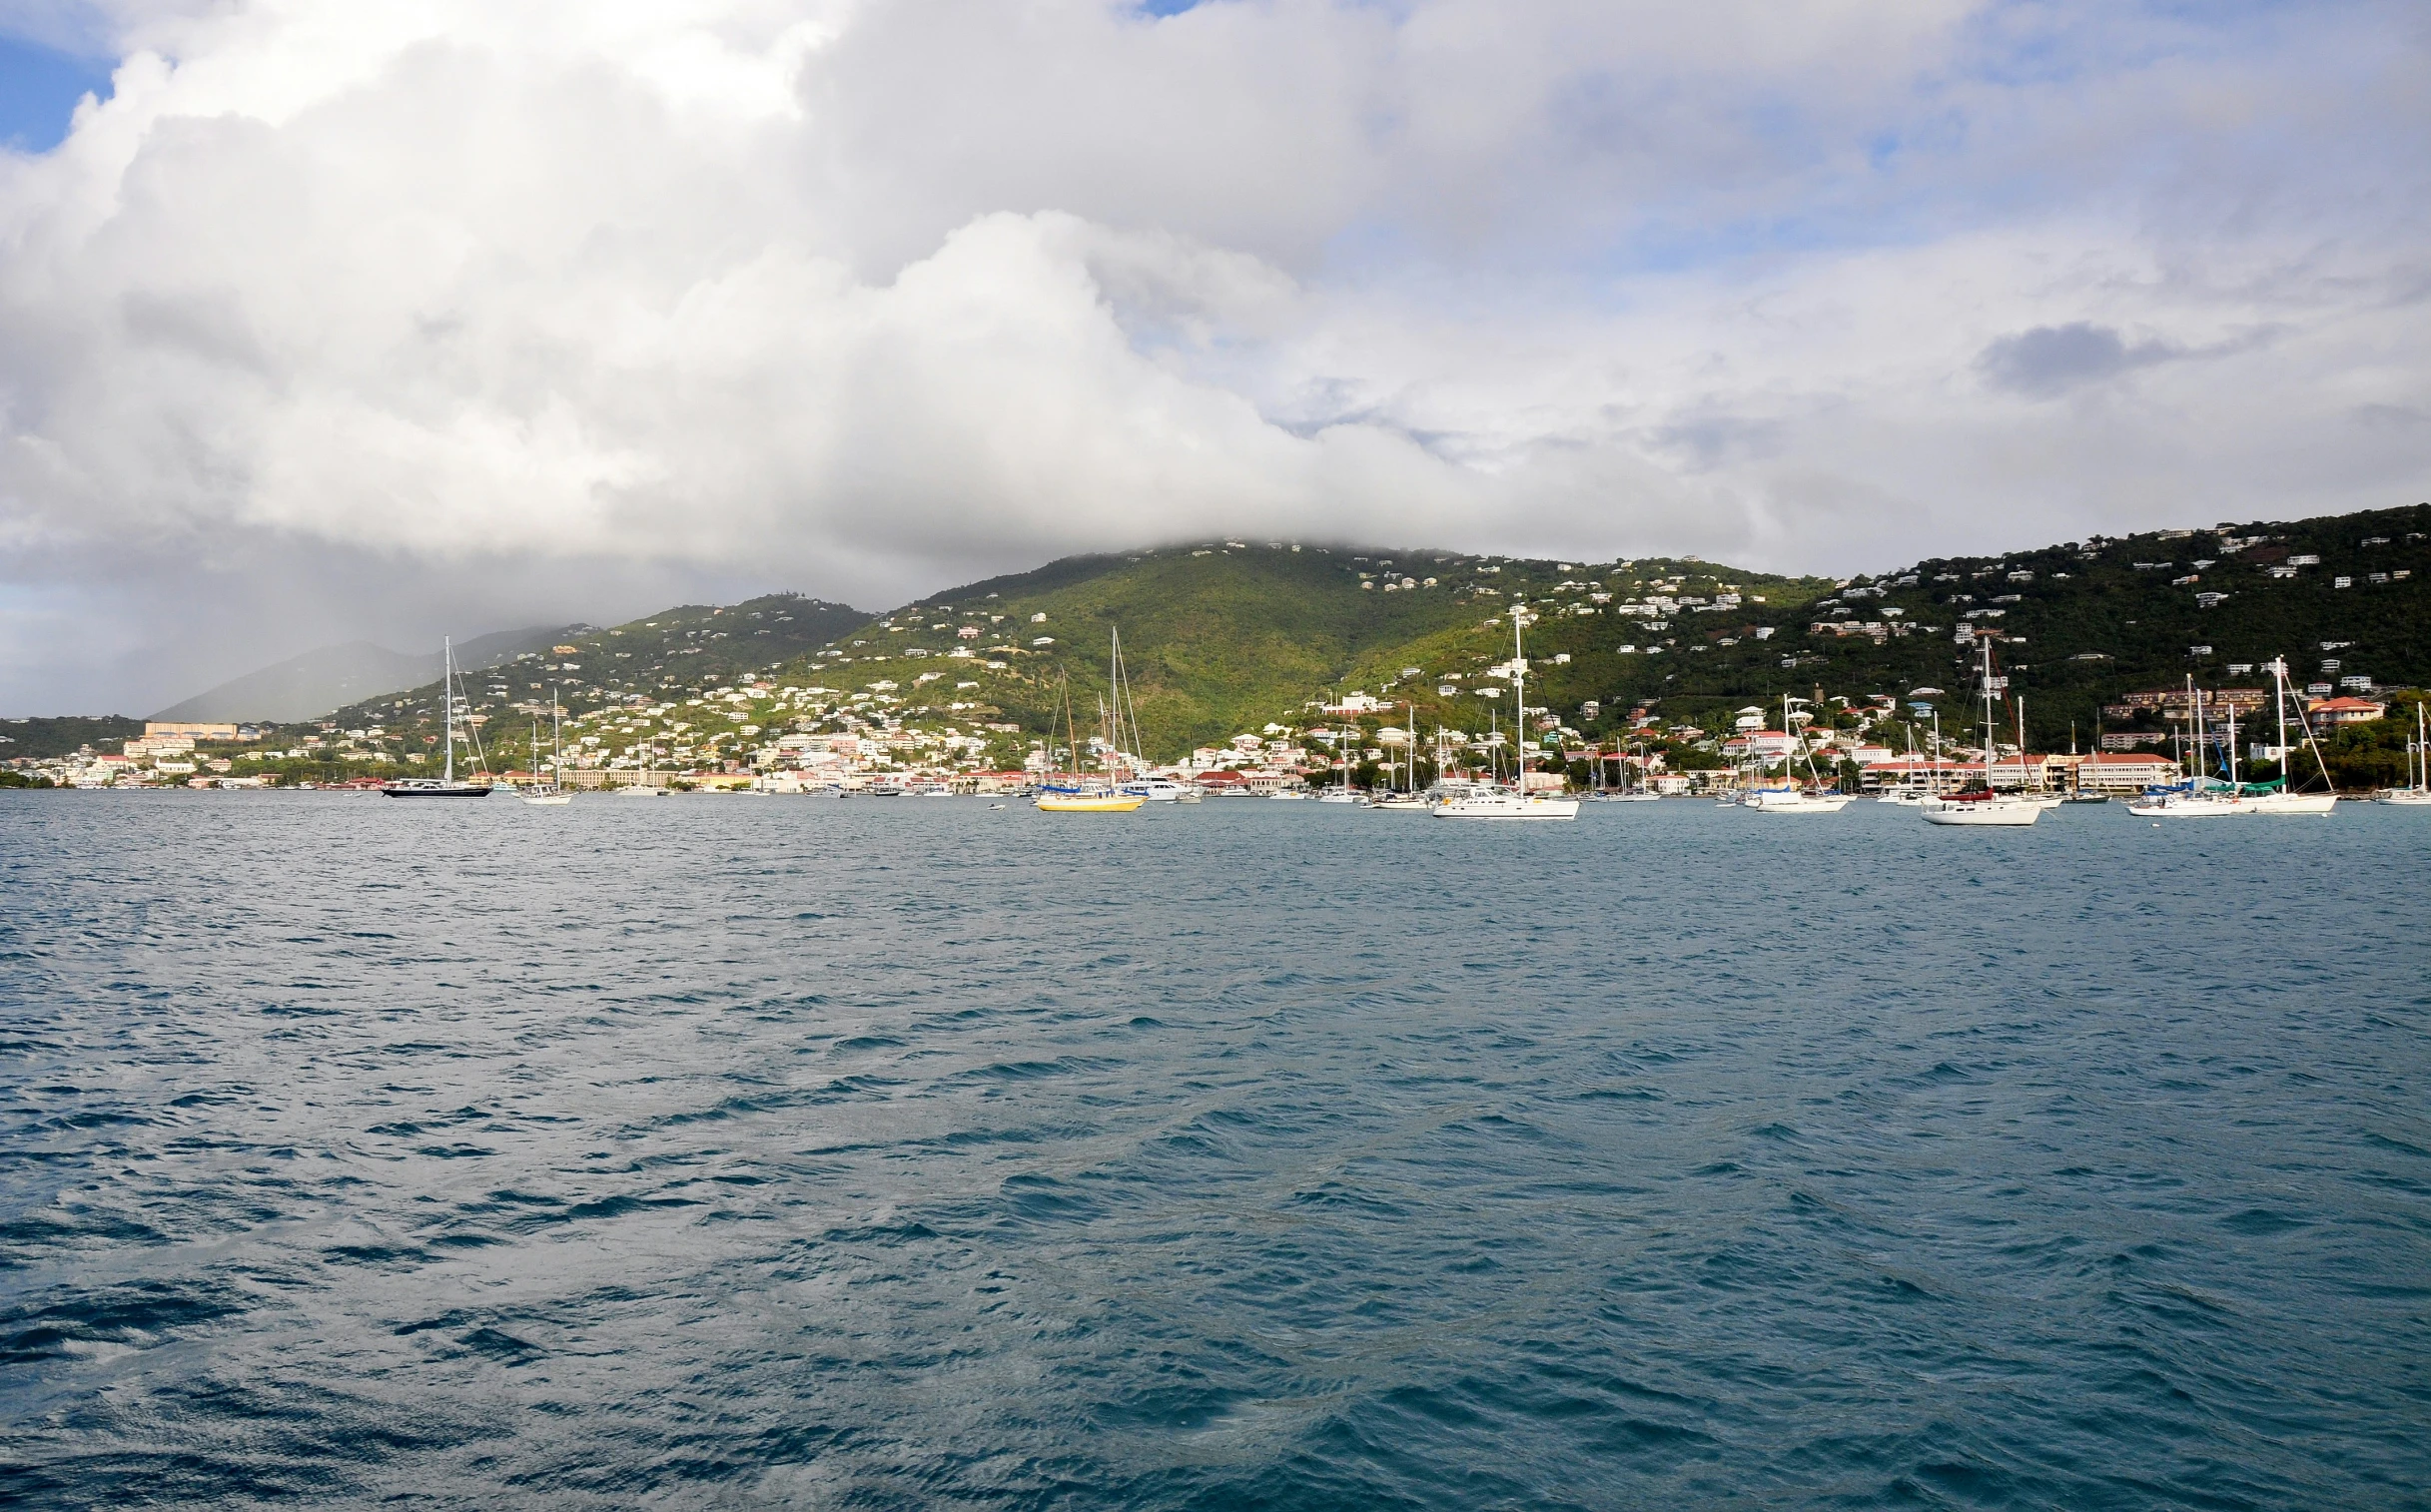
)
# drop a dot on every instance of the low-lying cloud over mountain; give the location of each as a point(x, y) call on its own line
point(372, 319)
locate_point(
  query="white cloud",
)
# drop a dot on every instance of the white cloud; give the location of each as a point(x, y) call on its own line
point(444, 307)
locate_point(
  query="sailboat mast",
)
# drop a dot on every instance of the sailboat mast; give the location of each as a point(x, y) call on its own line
point(1519, 685)
point(2019, 710)
point(448, 703)
point(2202, 726)
point(1991, 728)
point(2199, 735)
point(2278, 707)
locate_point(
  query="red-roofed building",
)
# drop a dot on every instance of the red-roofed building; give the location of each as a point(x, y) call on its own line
point(2347, 710)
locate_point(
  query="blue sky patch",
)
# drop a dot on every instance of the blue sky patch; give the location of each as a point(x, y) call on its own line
point(39, 88)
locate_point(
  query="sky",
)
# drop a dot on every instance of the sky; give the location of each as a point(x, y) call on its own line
point(366, 320)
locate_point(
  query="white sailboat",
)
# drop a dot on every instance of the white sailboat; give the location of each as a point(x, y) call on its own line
point(1406, 799)
point(553, 793)
point(2417, 790)
point(2284, 799)
point(1986, 807)
point(444, 785)
point(1340, 792)
point(1514, 802)
point(2206, 797)
point(1906, 792)
point(1129, 744)
point(1790, 798)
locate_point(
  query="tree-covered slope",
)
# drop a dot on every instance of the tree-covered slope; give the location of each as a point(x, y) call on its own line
point(683, 649)
point(2077, 624)
point(1227, 636)
point(35, 738)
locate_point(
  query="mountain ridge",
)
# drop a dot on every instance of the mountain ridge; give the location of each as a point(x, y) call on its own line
point(1224, 637)
point(305, 686)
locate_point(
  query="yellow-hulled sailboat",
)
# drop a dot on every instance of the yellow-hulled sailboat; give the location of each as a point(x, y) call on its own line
point(1078, 794)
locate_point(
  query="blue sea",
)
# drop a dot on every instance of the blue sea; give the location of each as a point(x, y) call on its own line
point(776, 1151)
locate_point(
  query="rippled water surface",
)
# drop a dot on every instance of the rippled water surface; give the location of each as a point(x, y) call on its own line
point(921, 1154)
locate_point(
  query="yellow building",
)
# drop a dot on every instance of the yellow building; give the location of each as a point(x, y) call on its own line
point(190, 729)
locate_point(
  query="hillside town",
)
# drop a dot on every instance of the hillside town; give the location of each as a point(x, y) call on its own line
point(886, 739)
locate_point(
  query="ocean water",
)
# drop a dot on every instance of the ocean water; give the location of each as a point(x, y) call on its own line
point(728, 1153)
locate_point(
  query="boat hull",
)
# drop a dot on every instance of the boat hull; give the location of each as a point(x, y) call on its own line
point(1507, 808)
point(1089, 803)
point(1799, 803)
point(436, 790)
point(1992, 814)
point(2292, 803)
point(2180, 807)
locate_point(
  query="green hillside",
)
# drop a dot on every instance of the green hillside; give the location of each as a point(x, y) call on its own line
point(2077, 624)
point(666, 655)
point(1225, 637)
point(28, 739)
point(1222, 637)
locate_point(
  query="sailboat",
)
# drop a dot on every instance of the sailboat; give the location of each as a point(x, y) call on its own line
point(1985, 806)
point(2280, 797)
point(1121, 716)
point(1790, 798)
point(2418, 766)
point(1514, 802)
point(2206, 797)
point(445, 785)
point(553, 792)
point(1907, 792)
point(1079, 793)
point(1636, 790)
point(1406, 799)
point(1341, 791)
